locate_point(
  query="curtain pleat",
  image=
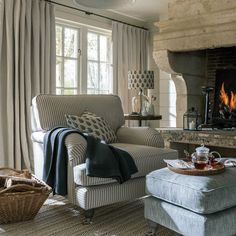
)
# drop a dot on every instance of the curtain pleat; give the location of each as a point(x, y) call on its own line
point(35, 73)
point(27, 68)
point(130, 52)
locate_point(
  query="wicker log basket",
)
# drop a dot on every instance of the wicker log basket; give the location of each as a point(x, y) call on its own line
point(21, 195)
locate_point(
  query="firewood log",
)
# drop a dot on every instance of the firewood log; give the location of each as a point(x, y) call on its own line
point(16, 180)
point(26, 174)
point(2, 181)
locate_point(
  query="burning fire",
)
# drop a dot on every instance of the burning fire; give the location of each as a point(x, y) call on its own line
point(228, 100)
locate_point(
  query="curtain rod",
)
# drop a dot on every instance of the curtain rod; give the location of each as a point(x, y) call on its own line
point(95, 14)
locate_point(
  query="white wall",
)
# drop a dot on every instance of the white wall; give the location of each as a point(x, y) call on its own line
point(153, 66)
point(167, 100)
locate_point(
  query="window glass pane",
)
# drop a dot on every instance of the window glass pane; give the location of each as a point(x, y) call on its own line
point(70, 42)
point(58, 72)
point(104, 78)
point(67, 64)
point(103, 48)
point(99, 64)
point(70, 91)
point(70, 72)
point(91, 91)
point(58, 91)
point(92, 83)
point(58, 40)
point(92, 46)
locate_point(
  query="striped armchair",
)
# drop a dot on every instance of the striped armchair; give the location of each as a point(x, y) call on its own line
point(144, 144)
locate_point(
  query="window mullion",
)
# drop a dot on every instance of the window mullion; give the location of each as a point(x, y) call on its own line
point(84, 62)
point(99, 66)
point(110, 64)
point(63, 60)
point(78, 62)
point(69, 58)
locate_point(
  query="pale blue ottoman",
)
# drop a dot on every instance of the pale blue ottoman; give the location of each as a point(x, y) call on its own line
point(192, 205)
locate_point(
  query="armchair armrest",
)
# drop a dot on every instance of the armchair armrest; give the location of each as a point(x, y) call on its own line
point(140, 135)
point(76, 148)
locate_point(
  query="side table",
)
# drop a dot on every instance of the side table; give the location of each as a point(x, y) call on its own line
point(140, 117)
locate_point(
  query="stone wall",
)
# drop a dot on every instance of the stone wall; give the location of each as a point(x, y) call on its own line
point(179, 9)
point(197, 25)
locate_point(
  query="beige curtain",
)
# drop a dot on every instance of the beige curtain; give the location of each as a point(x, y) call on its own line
point(130, 52)
point(27, 67)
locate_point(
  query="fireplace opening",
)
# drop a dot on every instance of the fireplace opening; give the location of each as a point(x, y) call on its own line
point(224, 110)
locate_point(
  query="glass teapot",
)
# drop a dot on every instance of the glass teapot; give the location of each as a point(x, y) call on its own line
point(203, 157)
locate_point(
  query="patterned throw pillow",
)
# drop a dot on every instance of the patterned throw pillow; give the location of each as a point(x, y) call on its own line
point(92, 124)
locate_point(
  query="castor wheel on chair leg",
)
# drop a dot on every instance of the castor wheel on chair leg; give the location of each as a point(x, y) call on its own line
point(88, 214)
point(152, 228)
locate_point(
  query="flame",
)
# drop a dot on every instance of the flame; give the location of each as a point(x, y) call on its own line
point(223, 95)
point(232, 103)
point(226, 99)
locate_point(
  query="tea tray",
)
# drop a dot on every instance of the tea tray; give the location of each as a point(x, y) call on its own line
point(210, 170)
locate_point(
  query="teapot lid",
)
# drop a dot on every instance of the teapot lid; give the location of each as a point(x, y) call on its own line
point(202, 149)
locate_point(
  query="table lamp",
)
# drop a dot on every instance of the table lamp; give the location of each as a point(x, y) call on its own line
point(140, 80)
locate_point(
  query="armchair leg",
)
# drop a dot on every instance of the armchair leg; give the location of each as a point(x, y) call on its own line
point(88, 214)
point(152, 228)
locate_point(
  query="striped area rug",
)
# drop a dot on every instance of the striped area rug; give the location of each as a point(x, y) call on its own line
point(58, 217)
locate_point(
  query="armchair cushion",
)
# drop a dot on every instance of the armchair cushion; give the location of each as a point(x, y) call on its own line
point(92, 124)
point(146, 159)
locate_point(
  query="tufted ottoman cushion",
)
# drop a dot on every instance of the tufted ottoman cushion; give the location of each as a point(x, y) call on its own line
point(201, 194)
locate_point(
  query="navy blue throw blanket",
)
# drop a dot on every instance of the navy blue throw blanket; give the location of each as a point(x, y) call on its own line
point(102, 160)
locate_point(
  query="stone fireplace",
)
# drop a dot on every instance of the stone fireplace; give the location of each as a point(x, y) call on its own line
point(195, 46)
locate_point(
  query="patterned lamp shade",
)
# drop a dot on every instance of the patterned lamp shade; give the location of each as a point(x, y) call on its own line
point(141, 79)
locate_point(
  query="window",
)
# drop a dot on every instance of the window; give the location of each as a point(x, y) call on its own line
point(99, 64)
point(83, 60)
point(67, 60)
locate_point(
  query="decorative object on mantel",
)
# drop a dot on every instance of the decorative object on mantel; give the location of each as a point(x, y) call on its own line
point(104, 4)
point(191, 119)
point(140, 80)
point(21, 195)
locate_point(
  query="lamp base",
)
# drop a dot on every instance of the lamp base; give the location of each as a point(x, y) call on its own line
point(140, 104)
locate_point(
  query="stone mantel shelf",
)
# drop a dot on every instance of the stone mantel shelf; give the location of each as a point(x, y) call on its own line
point(196, 25)
point(194, 22)
point(217, 138)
